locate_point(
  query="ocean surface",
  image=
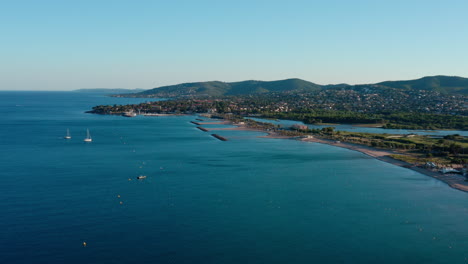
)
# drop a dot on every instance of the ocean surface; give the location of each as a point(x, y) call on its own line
point(246, 200)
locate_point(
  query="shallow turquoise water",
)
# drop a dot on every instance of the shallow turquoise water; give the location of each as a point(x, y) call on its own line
point(247, 200)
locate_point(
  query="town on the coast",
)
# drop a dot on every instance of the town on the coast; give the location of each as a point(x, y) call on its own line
point(429, 103)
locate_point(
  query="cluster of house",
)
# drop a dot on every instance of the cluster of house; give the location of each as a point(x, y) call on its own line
point(299, 127)
point(445, 170)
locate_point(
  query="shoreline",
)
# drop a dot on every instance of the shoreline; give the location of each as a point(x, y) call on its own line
point(454, 181)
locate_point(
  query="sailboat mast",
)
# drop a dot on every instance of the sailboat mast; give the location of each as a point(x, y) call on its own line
point(68, 134)
point(88, 136)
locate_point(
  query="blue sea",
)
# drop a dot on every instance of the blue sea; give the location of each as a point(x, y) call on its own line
point(246, 200)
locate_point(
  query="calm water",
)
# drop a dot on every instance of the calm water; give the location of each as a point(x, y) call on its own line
point(377, 130)
point(247, 200)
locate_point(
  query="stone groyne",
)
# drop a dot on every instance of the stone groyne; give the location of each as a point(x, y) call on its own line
point(219, 137)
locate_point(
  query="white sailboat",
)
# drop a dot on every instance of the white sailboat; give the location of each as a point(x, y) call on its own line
point(88, 136)
point(68, 134)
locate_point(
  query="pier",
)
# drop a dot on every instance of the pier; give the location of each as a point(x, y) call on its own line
point(196, 123)
point(203, 129)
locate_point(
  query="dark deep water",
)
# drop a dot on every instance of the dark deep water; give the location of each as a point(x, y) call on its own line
point(247, 200)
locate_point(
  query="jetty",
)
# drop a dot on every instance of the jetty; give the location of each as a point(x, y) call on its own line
point(219, 137)
point(203, 129)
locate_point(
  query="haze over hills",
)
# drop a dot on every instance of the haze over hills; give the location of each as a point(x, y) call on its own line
point(442, 84)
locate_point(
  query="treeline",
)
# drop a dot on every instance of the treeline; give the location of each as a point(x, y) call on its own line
point(425, 121)
point(390, 120)
point(452, 148)
point(317, 117)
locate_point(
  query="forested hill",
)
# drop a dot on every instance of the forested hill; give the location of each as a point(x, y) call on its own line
point(216, 88)
point(442, 84)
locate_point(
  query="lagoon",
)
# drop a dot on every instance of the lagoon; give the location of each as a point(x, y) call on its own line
point(351, 128)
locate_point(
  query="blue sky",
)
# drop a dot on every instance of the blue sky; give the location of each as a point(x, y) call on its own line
point(65, 45)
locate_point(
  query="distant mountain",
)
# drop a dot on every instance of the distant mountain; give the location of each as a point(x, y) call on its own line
point(443, 84)
point(108, 90)
point(216, 88)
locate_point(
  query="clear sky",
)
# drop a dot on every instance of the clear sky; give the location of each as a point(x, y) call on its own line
point(65, 45)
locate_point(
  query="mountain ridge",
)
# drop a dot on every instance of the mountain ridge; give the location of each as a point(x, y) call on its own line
point(438, 83)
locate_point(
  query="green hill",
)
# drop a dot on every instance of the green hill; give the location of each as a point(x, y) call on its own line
point(214, 88)
point(217, 88)
point(249, 87)
point(443, 84)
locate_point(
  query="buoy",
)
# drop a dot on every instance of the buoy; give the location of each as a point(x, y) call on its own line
point(121, 202)
point(118, 195)
point(84, 244)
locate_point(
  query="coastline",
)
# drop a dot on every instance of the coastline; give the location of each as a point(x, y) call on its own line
point(454, 181)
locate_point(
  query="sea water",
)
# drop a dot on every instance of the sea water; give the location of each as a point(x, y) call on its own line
point(245, 200)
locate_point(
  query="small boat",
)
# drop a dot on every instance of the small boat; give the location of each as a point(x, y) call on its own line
point(129, 114)
point(141, 177)
point(88, 136)
point(68, 134)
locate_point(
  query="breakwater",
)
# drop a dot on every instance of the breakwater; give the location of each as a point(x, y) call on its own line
point(219, 137)
point(203, 129)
